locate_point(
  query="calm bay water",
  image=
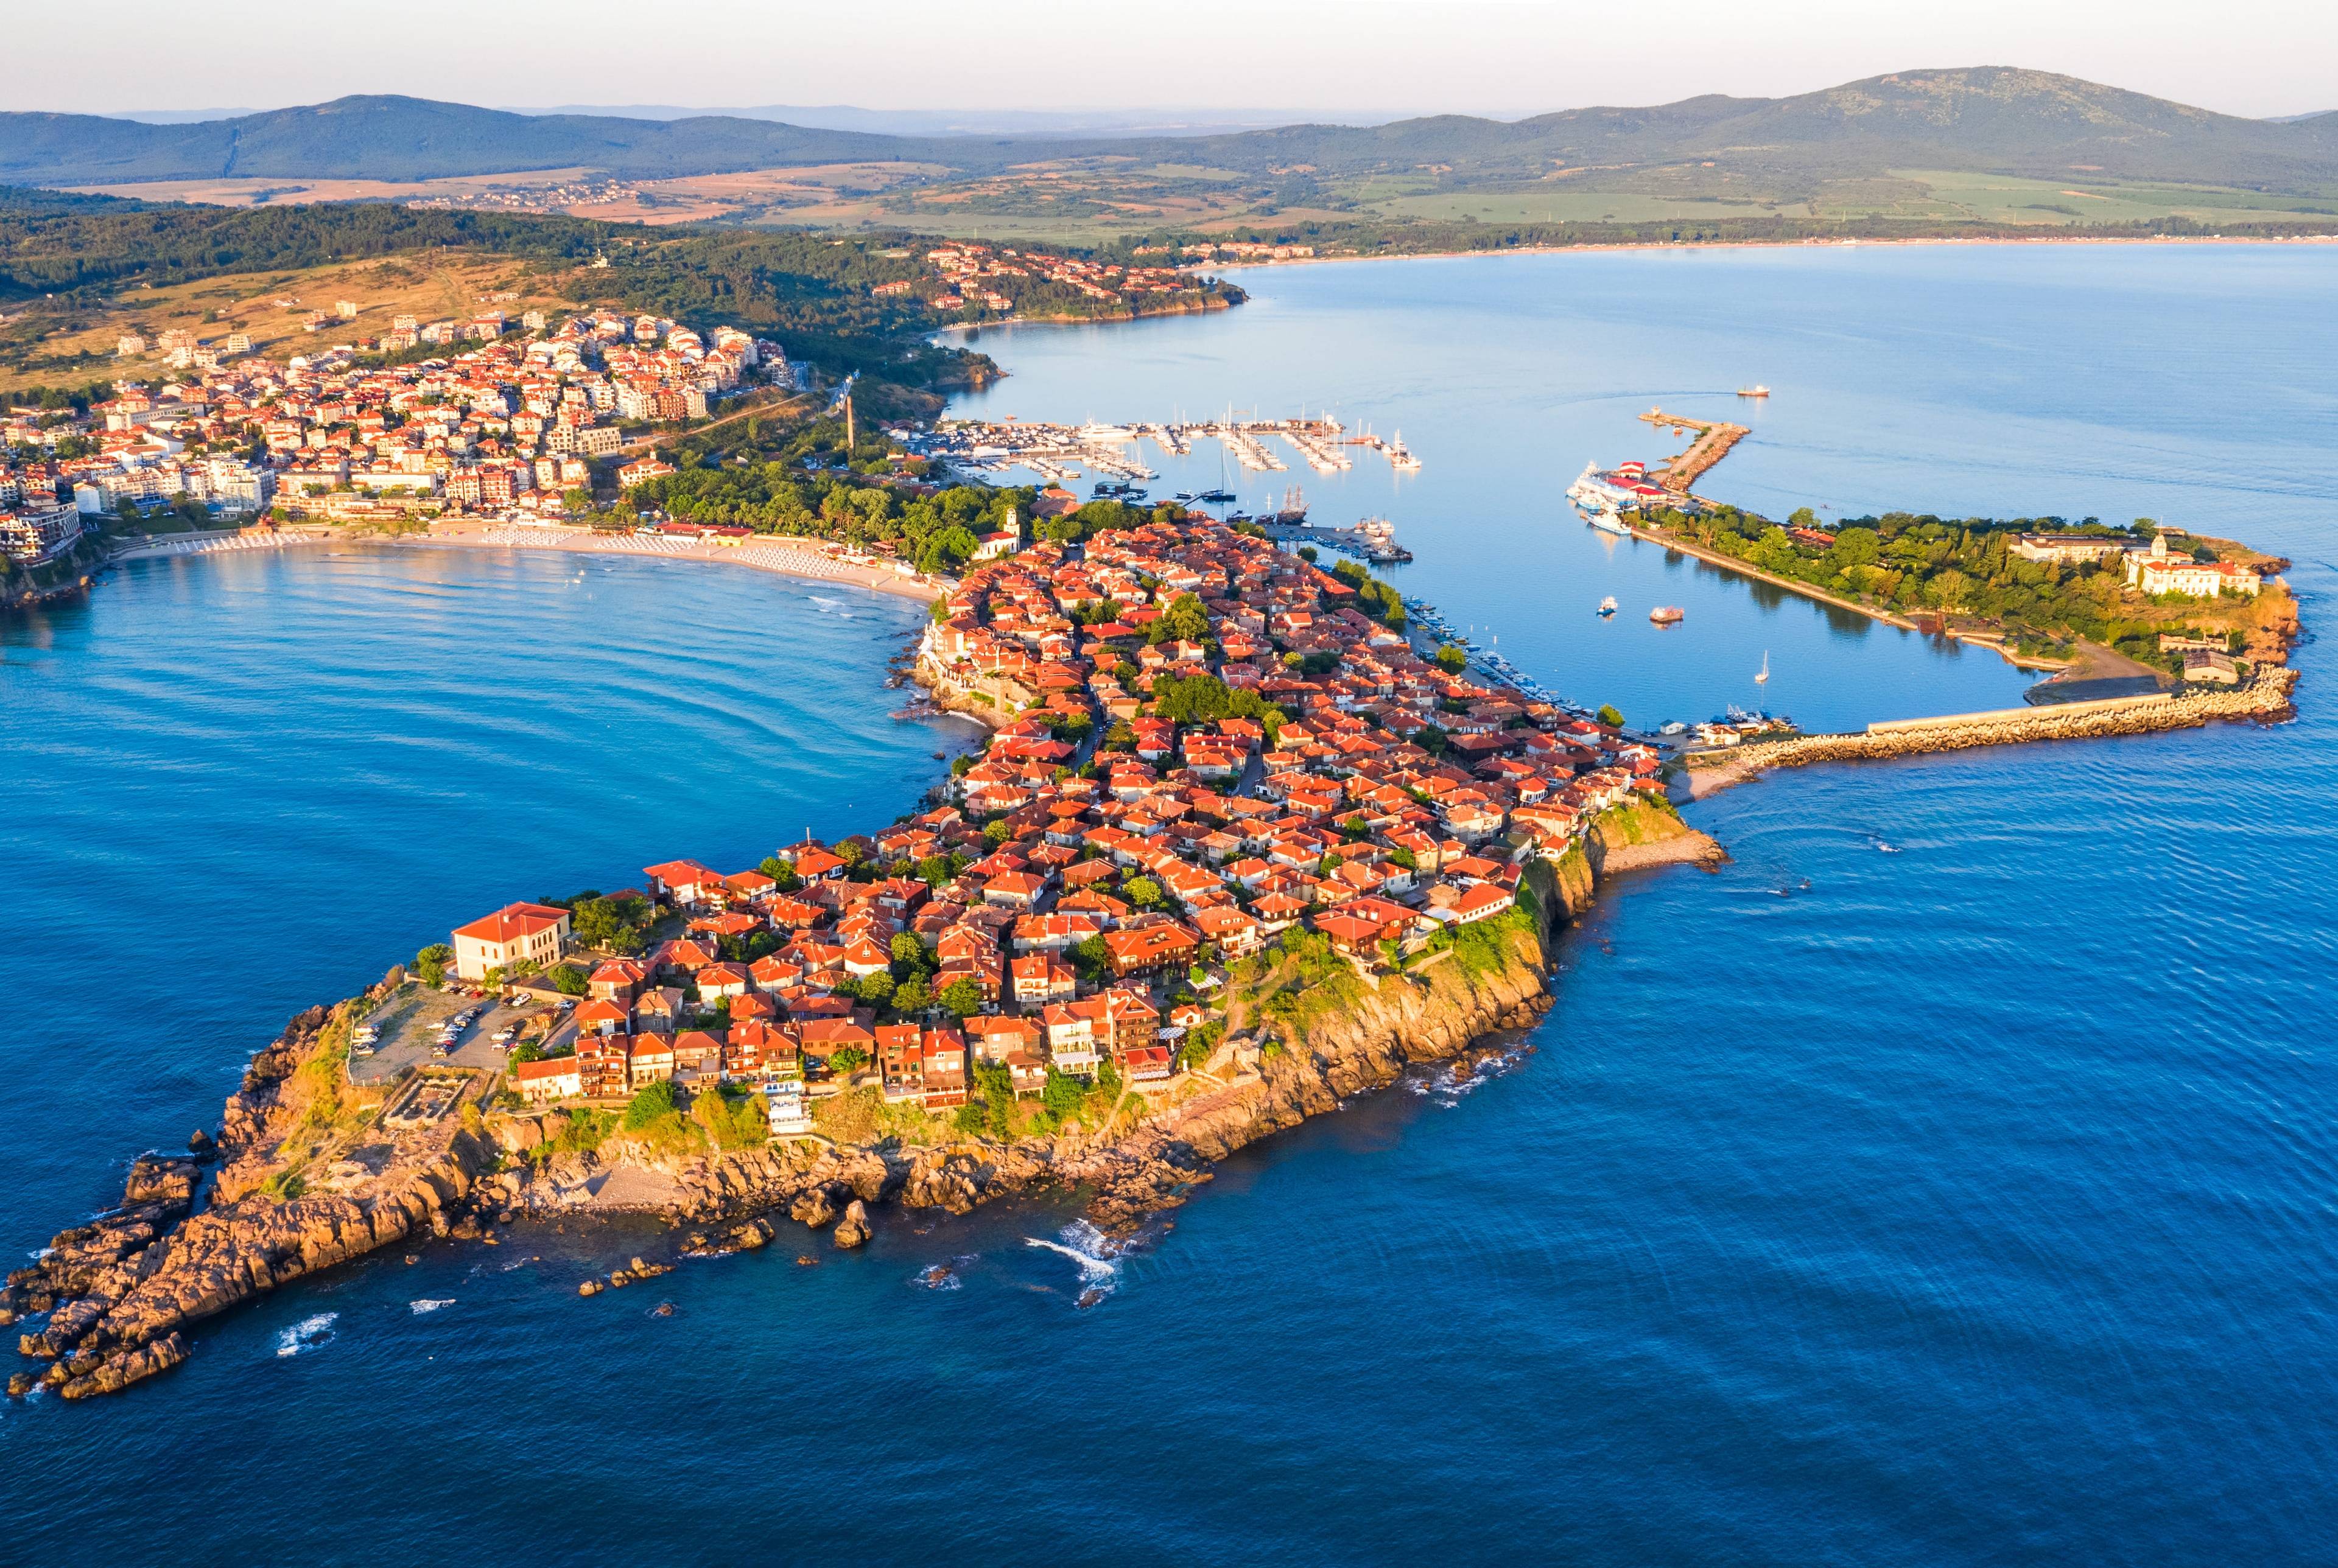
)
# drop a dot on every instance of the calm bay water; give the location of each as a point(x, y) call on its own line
point(1948, 1181)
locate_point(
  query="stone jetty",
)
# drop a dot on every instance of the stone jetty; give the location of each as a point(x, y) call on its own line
point(2266, 698)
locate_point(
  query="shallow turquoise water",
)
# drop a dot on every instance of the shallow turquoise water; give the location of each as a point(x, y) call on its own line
point(1949, 1180)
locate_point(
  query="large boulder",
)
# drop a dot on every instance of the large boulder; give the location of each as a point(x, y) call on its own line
point(852, 1230)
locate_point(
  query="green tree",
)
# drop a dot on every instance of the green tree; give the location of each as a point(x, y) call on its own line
point(912, 996)
point(851, 1059)
point(430, 964)
point(653, 1101)
point(571, 980)
point(875, 989)
point(963, 998)
point(1185, 620)
point(1453, 658)
point(1143, 892)
point(609, 924)
point(995, 1086)
point(1608, 715)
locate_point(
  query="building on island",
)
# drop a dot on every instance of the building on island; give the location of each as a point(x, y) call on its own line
point(2068, 549)
point(2160, 569)
point(517, 933)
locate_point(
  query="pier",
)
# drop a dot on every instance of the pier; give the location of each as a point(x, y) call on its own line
point(1714, 438)
point(1373, 539)
point(1057, 453)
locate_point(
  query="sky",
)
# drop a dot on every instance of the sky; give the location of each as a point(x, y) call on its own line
point(1498, 58)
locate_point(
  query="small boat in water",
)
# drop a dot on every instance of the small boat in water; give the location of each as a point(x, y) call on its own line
point(1757, 390)
point(1667, 614)
point(1607, 605)
point(1765, 674)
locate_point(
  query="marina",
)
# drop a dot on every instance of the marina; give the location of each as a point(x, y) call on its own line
point(1062, 453)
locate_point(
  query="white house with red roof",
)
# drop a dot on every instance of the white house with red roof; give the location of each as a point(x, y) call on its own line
point(517, 933)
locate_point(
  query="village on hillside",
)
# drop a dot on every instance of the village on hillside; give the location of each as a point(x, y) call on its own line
point(511, 426)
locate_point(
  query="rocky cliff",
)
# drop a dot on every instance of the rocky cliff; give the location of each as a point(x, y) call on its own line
point(120, 1293)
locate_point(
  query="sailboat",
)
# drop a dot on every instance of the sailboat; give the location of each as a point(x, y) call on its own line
point(1765, 675)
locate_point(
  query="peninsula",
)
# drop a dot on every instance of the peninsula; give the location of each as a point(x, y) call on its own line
point(1235, 847)
point(1239, 842)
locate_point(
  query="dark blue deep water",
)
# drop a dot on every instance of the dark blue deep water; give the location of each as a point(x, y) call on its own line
point(1949, 1181)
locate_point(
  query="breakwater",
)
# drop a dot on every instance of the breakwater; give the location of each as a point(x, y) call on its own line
point(2266, 697)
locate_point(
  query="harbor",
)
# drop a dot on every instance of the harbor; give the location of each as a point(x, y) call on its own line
point(1060, 453)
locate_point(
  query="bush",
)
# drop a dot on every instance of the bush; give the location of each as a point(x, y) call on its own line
point(652, 1102)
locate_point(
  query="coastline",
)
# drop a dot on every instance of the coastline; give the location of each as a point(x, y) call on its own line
point(781, 554)
point(1994, 644)
point(803, 559)
point(1589, 247)
point(122, 1291)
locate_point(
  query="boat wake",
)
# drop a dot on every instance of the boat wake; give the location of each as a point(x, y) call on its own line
point(308, 1334)
point(1087, 1247)
point(427, 1305)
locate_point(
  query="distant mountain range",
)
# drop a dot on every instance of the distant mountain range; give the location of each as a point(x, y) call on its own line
point(1985, 119)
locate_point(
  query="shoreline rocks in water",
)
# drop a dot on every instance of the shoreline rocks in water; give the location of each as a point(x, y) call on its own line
point(120, 1291)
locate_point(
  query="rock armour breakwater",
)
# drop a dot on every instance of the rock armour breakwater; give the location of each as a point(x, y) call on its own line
point(2266, 698)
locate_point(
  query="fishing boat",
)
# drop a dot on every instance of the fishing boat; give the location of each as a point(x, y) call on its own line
point(1607, 605)
point(1400, 457)
point(1764, 674)
point(1667, 614)
point(1756, 390)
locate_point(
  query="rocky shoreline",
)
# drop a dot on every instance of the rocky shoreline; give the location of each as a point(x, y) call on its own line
point(198, 1234)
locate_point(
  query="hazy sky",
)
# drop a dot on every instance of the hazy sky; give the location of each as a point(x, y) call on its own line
point(2255, 58)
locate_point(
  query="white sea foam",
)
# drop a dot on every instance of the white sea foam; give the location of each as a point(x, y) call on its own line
point(427, 1305)
point(308, 1334)
point(1086, 1246)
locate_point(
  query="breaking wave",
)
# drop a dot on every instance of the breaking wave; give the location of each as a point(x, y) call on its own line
point(427, 1305)
point(308, 1334)
point(1087, 1247)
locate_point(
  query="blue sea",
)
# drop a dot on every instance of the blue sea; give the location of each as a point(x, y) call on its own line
point(1948, 1181)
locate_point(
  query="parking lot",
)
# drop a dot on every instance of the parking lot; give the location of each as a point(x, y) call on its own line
point(409, 1025)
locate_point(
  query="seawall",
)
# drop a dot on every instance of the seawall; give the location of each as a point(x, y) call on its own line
point(2266, 698)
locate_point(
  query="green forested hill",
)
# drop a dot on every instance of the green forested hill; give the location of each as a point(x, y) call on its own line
point(1988, 119)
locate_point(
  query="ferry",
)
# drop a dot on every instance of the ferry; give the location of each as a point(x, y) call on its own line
point(1756, 390)
point(1667, 614)
point(1093, 432)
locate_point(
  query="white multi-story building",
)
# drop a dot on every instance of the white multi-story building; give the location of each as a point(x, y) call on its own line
point(2161, 570)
